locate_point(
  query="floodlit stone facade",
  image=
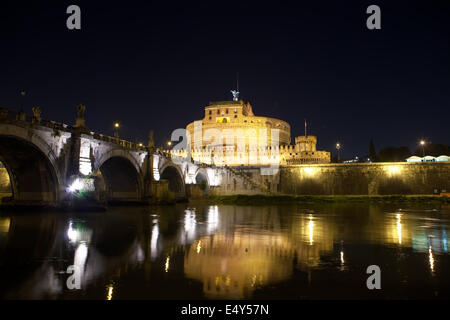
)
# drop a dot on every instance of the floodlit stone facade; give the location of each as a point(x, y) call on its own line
point(230, 134)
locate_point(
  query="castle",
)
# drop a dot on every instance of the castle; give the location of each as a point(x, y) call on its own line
point(231, 134)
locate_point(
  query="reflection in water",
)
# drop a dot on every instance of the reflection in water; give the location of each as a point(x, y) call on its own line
point(4, 225)
point(167, 265)
point(311, 230)
point(81, 254)
point(213, 219)
point(190, 223)
point(232, 265)
point(399, 228)
point(431, 258)
point(224, 252)
point(154, 240)
point(110, 292)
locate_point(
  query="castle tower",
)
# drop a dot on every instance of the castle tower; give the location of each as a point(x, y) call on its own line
point(305, 143)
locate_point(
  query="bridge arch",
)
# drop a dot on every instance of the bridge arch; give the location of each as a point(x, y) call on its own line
point(171, 172)
point(200, 176)
point(121, 176)
point(31, 165)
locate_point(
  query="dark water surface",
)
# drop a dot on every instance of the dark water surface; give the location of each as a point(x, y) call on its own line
point(227, 252)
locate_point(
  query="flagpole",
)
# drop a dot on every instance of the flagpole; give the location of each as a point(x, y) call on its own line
point(305, 128)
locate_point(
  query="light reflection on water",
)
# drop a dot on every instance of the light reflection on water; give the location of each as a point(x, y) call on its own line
point(226, 252)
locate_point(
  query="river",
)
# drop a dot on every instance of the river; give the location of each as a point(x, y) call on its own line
point(201, 251)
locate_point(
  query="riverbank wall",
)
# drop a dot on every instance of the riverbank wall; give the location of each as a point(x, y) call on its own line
point(389, 178)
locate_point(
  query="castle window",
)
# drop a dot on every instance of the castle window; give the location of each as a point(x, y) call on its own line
point(223, 120)
point(210, 112)
point(218, 111)
point(226, 111)
point(235, 116)
point(209, 118)
point(235, 110)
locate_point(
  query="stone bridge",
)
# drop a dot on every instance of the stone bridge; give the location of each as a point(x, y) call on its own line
point(47, 161)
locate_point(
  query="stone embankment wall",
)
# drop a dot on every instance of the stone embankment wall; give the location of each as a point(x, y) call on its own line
point(345, 179)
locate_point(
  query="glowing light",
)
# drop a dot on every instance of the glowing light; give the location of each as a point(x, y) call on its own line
point(167, 264)
point(117, 125)
point(199, 246)
point(393, 169)
point(72, 233)
point(77, 185)
point(140, 144)
point(309, 170)
point(110, 292)
point(311, 231)
point(169, 143)
point(342, 257)
point(78, 235)
point(422, 142)
point(431, 258)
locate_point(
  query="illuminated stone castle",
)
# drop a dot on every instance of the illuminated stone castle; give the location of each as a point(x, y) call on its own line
point(230, 134)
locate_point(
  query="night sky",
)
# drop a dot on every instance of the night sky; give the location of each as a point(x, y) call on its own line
point(156, 65)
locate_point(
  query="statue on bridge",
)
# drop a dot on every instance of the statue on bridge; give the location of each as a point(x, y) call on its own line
point(151, 140)
point(37, 112)
point(80, 121)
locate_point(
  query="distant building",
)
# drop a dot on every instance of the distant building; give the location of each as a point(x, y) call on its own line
point(428, 159)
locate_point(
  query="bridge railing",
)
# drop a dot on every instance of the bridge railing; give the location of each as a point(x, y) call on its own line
point(12, 115)
point(7, 114)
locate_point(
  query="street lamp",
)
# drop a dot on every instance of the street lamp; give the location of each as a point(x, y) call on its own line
point(22, 94)
point(338, 148)
point(116, 129)
point(169, 143)
point(422, 143)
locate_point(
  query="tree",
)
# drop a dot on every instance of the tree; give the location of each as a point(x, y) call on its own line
point(372, 153)
point(394, 154)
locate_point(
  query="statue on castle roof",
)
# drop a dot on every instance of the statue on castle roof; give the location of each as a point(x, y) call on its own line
point(247, 111)
point(235, 94)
